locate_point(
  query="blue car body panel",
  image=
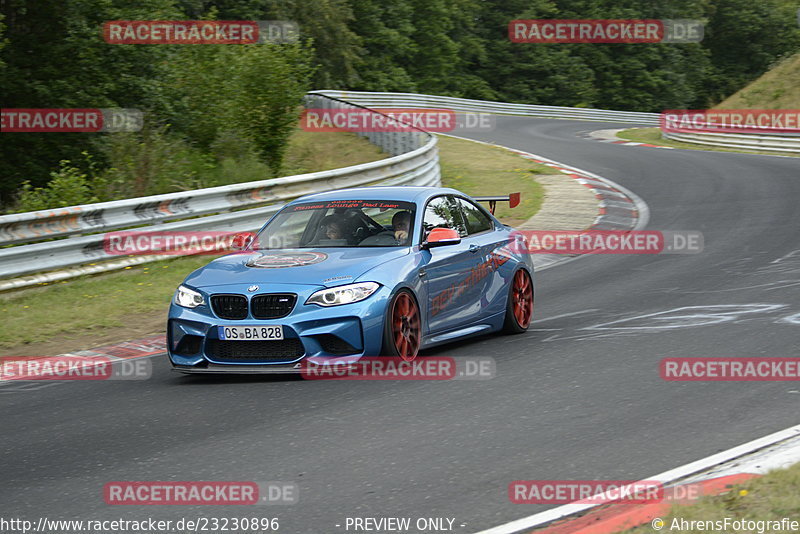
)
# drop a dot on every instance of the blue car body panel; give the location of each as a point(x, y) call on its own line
point(461, 290)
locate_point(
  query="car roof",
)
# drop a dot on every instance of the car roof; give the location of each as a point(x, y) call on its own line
point(417, 194)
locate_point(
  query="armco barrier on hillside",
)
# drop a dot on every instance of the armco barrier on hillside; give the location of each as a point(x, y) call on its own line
point(771, 130)
point(765, 143)
point(411, 100)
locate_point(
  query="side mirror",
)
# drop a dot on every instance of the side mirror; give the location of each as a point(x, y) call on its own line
point(441, 237)
point(242, 240)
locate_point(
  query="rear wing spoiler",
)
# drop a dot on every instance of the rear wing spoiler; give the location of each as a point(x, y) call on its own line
point(512, 199)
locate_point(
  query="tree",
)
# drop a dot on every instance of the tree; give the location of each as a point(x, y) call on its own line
point(56, 58)
point(744, 39)
point(270, 82)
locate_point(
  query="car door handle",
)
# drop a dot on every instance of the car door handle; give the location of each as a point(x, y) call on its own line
point(422, 273)
point(474, 248)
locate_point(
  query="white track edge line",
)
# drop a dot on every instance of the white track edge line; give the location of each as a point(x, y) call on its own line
point(666, 477)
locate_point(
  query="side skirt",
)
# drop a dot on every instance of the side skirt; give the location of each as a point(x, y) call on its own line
point(487, 325)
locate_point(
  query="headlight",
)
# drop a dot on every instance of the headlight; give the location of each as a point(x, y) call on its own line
point(188, 298)
point(335, 296)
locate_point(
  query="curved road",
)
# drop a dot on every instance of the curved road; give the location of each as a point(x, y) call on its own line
point(574, 398)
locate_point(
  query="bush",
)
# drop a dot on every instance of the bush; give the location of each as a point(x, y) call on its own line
point(151, 162)
point(68, 186)
point(248, 96)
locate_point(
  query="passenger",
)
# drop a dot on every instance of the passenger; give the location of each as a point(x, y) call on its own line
point(401, 224)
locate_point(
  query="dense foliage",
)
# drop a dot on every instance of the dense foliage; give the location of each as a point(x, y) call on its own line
point(205, 103)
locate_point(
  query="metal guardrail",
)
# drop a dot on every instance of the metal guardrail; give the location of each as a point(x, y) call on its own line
point(768, 143)
point(411, 100)
point(415, 162)
point(412, 150)
point(772, 142)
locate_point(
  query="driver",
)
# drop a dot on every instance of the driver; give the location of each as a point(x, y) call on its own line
point(401, 224)
point(333, 227)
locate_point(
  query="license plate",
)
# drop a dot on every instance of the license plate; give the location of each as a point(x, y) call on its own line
point(251, 333)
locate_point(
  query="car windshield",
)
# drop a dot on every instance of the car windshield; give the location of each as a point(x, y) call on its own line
point(339, 223)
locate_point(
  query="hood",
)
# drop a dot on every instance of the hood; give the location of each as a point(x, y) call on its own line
point(319, 266)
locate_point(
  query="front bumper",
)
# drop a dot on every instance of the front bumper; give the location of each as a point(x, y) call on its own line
point(348, 332)
point(211, 369)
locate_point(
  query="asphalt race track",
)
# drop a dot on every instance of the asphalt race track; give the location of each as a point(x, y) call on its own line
point(574, 398)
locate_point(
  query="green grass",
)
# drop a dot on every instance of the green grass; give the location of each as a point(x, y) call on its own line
point(71, 312)
point(769, 498)
point(478, 169)
point(653, 137)
point(323, 151)
point(81, 306)
point(778, 88)
point(305, 152)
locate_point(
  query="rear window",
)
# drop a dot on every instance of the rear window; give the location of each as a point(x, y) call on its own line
point(476, 219)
